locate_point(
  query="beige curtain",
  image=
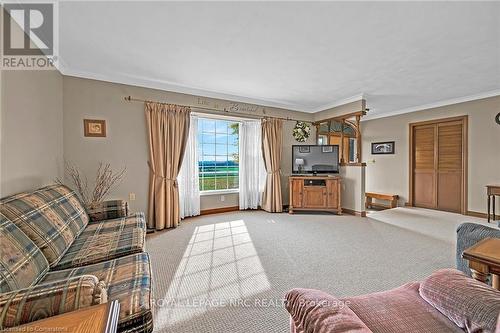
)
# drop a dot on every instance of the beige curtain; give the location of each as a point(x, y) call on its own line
point(168, 128)
point(272, 146)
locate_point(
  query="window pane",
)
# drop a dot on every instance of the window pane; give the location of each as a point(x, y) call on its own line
point(221, 150)
point(233, 128)
point(233, 182)
point(218, 154)
point(232, 139)
point(232, 149)
point(208, 149)
point(208, 126)
point(221, 181)
point(221, 127)
point(221, 139)
point(207, 138)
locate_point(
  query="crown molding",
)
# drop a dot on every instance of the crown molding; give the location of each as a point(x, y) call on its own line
point(121, 78)
point(336, 103)
point(469, 98)
point(167, 86)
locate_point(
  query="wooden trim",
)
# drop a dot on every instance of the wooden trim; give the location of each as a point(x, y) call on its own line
point(465, 164)
point(219, 210)
point(477, 214)
point(465, 157)
point(353, 212)
point(437, 121)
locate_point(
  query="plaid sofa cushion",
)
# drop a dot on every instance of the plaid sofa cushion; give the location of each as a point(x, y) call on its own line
point(128, 280)
point(49, 299)
point(52, 217)
point(22, 263)
point(106, 210)
point(104, 240)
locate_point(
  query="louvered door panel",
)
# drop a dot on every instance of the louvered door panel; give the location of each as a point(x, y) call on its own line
point(450, 166)
point(424, 173)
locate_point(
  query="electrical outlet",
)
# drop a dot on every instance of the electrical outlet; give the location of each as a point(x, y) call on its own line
point(131, 196)
point(222, 198)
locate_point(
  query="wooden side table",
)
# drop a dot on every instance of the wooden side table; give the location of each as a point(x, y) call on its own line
point(102, 318)
point(492, 191)
point(484, 260)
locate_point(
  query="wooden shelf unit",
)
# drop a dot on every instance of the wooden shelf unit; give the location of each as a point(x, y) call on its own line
point(315, 193)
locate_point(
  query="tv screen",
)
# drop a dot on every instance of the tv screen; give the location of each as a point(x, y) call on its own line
point(315, 159)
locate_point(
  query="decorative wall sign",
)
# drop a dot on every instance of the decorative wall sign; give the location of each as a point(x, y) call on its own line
point(301, 131)
point(230, 106)
point(383, 147)
point(94, 128)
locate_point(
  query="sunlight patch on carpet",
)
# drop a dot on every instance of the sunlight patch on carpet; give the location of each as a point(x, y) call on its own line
point(220, 268)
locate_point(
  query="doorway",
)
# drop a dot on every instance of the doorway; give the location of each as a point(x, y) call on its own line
point(438, 164)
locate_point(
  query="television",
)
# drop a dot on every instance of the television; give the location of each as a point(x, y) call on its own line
point(314, 159)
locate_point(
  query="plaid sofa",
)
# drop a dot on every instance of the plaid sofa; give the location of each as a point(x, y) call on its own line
point(55, 257)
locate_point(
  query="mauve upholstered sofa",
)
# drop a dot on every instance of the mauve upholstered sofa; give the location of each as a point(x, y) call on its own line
point(56, 256)
point(446, 301)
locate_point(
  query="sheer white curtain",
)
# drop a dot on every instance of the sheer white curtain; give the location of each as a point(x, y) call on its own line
point(252, 171)
point(188, 179)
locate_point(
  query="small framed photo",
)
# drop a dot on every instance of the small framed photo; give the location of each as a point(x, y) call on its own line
point(304, 149)
point(94, 128)
point(327, 149)
point(383, 147)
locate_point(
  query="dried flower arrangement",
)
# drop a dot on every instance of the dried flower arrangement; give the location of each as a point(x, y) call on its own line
point(105, 180)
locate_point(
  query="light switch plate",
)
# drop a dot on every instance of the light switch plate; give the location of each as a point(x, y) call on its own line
point(131, 196)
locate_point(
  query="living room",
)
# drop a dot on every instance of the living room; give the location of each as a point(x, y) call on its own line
point(250, 166)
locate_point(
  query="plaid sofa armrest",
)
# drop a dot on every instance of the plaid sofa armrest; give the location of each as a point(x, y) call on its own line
point(49, 299)
point(107, 210)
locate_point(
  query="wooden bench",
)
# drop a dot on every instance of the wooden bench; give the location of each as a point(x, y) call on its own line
point(392, 198)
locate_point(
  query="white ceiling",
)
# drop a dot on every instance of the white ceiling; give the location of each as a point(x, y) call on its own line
point(297, 55)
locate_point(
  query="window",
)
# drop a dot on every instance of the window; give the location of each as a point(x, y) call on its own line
point(218, 151)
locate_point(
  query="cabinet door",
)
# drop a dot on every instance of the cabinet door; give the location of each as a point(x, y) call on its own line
point(314, 197)
point(333, 193)
point(296, 190)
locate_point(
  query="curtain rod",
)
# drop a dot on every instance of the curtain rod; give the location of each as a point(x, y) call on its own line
point(219, 111)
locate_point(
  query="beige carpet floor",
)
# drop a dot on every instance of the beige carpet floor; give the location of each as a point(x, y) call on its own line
point(229, 272)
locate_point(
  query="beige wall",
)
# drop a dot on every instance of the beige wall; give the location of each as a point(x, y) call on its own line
point(31, 130)
point(126, 142)
point(353, 187)
point(389, 173)
point(339, 110)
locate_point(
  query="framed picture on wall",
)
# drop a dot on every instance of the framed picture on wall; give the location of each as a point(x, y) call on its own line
point(327, 149)
point(94, 128)
point(379, 148)
point(304, 149)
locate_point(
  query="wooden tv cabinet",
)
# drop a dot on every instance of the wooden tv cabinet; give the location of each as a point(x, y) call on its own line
point(315, 193)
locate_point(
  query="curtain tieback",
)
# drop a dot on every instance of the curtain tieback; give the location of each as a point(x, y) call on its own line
point(169, 180)
point(274, 172)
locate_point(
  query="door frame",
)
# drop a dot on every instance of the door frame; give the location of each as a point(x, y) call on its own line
point(465, 155)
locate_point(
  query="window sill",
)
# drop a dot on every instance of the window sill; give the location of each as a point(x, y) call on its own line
point(219, 192)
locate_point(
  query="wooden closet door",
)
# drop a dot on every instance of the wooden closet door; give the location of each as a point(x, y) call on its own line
point(438, 158)
point(424, 162)
point(450, 166)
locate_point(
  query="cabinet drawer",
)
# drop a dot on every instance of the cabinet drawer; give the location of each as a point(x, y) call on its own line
point(314, 182)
